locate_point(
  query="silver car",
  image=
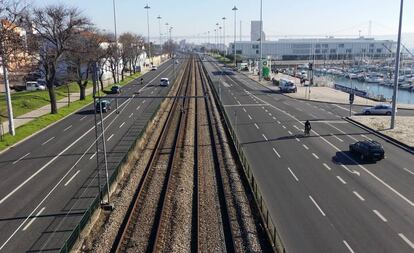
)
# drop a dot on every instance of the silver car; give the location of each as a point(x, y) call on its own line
point(381, 109)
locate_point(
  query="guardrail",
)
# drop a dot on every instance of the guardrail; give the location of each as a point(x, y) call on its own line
point(271, 229)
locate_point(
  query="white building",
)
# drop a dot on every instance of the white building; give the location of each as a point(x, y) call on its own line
point(255, 27)
point(326, 48)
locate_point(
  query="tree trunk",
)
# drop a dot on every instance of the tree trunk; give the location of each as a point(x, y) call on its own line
point(53, 102)
point(101, 81)
point(82, 94)
point(122, 74)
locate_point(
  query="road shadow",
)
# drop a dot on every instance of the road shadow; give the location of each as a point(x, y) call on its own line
point(86, 112)
point(347, 158)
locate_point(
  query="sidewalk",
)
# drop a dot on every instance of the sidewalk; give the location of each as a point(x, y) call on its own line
point(320, 94)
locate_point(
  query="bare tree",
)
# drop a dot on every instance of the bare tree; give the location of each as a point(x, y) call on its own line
point(54, 26)
point(127, 41)
point(84, 51)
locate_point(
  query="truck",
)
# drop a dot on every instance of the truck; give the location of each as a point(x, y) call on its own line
point(287, 86)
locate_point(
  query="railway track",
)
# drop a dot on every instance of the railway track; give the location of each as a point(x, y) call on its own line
point(184, 202)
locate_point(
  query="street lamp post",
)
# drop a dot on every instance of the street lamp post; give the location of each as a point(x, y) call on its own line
point(159, 24)
point(234, 42)
point(261, 41)
point(148, 30)
point(397, 69)
point(116, 44)
point(224, 36)
point(220, 38)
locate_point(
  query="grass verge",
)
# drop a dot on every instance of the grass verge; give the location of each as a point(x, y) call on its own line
point(45, 120)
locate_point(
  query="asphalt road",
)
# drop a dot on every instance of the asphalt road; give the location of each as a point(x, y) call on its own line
point(49, 180)
point(321, 197)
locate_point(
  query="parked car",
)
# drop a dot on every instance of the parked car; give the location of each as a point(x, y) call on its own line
point(154, 67)
point(287, 86)
point(367, 150)
point(383, 109)
point(104, 104)
point(164, 82)
point(116, 89)
point(34, 85)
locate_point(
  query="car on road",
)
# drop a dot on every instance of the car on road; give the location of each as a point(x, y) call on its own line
point(34, 85)
point(381, 109)
point(164, 82)
point(367, 150)
point(116, 89)
point(104, 104)
point(154, 67)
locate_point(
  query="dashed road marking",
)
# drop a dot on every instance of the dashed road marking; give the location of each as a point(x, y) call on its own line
point(130, 115)
point(123, 123)
point(380, 215)
point(46, 142)
point(244, 109)
point(366, 137)
point(70, 180)
point(358, 195)
point(340, 179)
point(138, 107)
point(33, 219)
point(306, 147)
point(317, 157)
point(264, 136)
point(284, 127)
point(21, 158)
point(250, 117)
point(66, 129)
point(316, 204)
point(293, 174)
point(348, 247)
point(110, 137)
point(409, 171)
point(82, 118)
point(406, 240)
point(326, 166)
point(256, 126)
point(277, 153)
point(290, 132)
point(336, 137)
point(297, 139)
point(92, 156)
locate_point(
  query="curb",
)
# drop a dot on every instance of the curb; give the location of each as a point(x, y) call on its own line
point(385, 137)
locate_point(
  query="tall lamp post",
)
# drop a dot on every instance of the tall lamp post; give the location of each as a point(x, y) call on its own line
point(234, 42)
point(116, 44)
point(224, 35)
point(397, 69)
point(261, 42)
point(217, 36)
point(159, 24)
point(148, 26)
point(220, 37)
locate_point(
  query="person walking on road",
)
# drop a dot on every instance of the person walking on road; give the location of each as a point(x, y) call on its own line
point(308, 127)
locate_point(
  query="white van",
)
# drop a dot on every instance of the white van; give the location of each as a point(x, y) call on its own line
point(287, 86)
point(33, 86)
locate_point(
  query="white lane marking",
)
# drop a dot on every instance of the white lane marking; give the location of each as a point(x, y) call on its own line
point(330, 112)
point(316, 204)
point(238, 102)
point(339, 139)
point(138, 107)
point(312, 115)
point(123, 123)
point(349, 170)
point(244, 109)
point(270, 114)
point(297, 128)
point(143, 102)
point(92, 156)
point(70, 180)
point(266, 110)
point(329, 124)
point(279, 122)
point(256, 125)
point(409, 171)
point(152, 92)
point(406, 240)
point(33, 219)
point(250, 117)
point(317, 157)
point(297, 139)
point(127, 102)
point(290, 132)
point(264, 136)
point(44, 143)
point(350, 158)
point(306, 147)
point(326, 166)
point(349, 247)
point(293, 174)
point(380, 215)
point(18, 160)
point(274, 150)
point(110, 137)
point(131, 115)
point(66, 129)
point(284, 127)
point(366, 137)
point(82, 118)
point(299, 109)
point(274, 118)
point(358, 195)
point(340, 179)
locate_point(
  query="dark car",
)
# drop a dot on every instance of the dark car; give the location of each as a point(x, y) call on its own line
point(116, 89)
point(367, 150)
point(104, 104)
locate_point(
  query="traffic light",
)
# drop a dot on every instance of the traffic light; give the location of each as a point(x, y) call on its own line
point(351, 98)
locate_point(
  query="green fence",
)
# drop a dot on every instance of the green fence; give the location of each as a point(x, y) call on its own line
point(271, 229)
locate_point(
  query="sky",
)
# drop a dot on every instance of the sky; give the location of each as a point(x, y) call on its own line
point(287, 18)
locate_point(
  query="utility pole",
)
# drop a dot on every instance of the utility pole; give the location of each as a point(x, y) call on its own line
point(116, 44)
point(397, 69)
point(224, 36)
point(234, 42)
point(261, 41)
point(159, 24)
point(7, 89)
point(148, 26)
